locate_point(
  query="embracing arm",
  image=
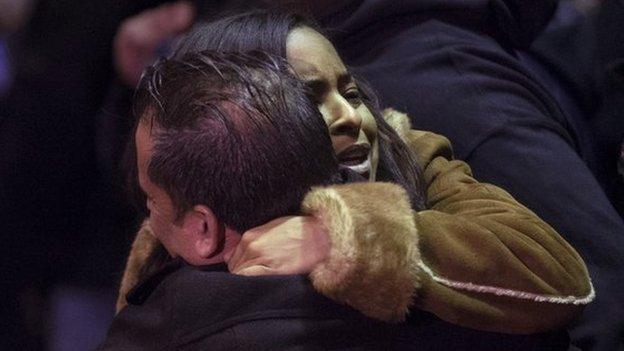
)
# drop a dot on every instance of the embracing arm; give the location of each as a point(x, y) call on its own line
point(487, 262)
point(374, 247)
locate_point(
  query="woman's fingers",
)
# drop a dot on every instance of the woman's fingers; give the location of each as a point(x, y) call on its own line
point(242, 251)
point(233, 259)
point(256, 270)
point(248, 245)
point(244, 264)
point(287, 245)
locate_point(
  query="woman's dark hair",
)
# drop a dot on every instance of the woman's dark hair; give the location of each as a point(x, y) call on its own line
point(268, 31)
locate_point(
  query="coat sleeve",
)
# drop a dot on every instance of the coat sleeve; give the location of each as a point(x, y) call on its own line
point(489, 262)
point(374, 248)
point(484, 261)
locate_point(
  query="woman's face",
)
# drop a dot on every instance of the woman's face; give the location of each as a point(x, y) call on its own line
point(351, 125)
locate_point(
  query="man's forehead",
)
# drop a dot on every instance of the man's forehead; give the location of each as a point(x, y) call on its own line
point(144, 146)
point(143, 137)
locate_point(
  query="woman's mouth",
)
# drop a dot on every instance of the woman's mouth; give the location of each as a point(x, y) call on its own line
point(355, 157)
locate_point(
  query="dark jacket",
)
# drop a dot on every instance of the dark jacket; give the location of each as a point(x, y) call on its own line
point(456, 68)
point(186, 308)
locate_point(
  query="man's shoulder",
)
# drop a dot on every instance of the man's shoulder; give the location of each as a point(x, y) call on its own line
point(195, 281)
point(211, 306)
point(194, 286)
point(222, 311)
point(222, 297)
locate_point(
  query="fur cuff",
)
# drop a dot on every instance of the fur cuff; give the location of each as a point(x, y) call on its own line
point(142, 247)
point(373, 260)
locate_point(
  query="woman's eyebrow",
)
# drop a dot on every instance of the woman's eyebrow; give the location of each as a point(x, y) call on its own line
point(345, 79)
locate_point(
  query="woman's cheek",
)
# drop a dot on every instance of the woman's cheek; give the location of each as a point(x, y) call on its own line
point(326, 113)
point(369, 125)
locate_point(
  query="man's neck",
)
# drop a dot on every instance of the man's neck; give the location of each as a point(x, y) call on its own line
point(229, 241)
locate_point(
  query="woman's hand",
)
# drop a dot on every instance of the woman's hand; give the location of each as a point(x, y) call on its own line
point(286, 245)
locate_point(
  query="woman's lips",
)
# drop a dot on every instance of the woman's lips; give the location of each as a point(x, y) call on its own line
point(355, 157)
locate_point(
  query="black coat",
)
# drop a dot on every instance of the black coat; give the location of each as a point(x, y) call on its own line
point(463, 69)
point(185, 308)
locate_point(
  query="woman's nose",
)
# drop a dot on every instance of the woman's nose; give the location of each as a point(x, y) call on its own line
point(347, 120)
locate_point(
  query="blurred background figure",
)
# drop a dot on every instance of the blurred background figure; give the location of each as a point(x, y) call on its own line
point(584, 46)
point(586, 5)
point(13, 15)
point(4, 69)
point(608, 121)
point(64, 226)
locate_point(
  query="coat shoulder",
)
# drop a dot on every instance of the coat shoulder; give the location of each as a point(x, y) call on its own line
point(424, 145)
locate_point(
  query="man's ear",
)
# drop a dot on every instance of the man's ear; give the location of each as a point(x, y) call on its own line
point(206, 231)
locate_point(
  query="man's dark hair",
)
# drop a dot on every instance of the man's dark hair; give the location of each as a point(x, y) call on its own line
point(234, 132)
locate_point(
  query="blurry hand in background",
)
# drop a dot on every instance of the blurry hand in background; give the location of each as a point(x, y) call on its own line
point(139, 37)
point(14, 14)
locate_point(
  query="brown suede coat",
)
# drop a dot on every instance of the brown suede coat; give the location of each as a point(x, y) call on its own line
point(476, 257)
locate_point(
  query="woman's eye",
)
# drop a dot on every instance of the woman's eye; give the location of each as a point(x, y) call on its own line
point(315, 90)
point(353, 96)
point(314, 98)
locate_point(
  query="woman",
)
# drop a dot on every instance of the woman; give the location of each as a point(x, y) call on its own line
point(487, 262)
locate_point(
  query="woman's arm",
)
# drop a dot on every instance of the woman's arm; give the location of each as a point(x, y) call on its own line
point(372, 264)
point(487, 262)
